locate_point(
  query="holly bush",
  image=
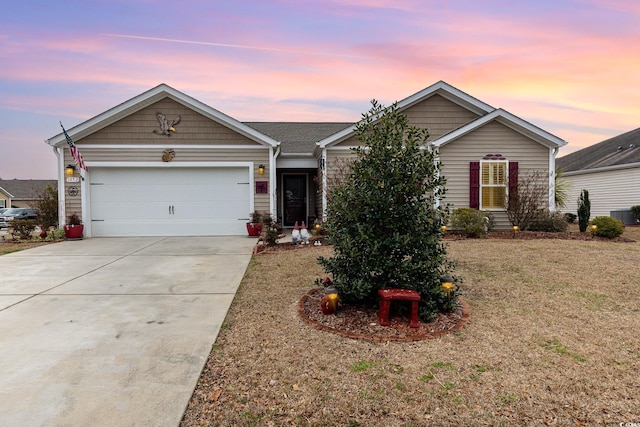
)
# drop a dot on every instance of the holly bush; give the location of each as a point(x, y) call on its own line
point(608, 227)
point(383, 221)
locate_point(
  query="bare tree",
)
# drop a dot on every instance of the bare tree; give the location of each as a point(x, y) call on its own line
point(530, 198)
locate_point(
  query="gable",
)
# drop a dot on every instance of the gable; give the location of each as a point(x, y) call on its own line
point(193, 128)
point(439, 115)
point(509, 120)
point(496, 138)
point(439, 107)
point(150, 98)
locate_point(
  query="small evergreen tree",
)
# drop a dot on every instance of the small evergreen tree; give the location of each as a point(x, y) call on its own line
point(584, 210)
point(47, 207)
point(382, 220)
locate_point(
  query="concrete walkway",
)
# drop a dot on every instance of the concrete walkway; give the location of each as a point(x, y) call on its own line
point(112, 331)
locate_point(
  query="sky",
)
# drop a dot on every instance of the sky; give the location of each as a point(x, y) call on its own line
point(571, 67)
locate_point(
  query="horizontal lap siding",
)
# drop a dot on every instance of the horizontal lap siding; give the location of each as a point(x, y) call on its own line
point(439, 115)
point(492, 138)
point(337, 161)
point(608, 191)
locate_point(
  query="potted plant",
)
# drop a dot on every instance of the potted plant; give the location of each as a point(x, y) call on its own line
point(74, 228)
point(254, 226)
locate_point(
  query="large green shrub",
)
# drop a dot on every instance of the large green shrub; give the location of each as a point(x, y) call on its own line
point(382, 221)
point(470, 222)
point(635, 210)
point(584, 210)
point(608, 227)
point(549, 221)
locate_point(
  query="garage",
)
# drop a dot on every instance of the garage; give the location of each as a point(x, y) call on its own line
point(168, 201)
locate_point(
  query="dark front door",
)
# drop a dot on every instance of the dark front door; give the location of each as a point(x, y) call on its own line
point(295, 199)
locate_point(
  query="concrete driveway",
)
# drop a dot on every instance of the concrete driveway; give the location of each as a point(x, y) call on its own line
point(112, 331)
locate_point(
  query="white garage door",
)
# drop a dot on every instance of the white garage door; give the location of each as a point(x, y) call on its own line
point(169, 201)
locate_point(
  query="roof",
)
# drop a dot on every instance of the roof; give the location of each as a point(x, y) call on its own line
point(614, 152)
point(298, 137)
point(485, 111)
point(150, 97)
point(26, 189)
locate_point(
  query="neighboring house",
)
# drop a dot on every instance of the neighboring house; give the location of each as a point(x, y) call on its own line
point(610, 171)
point(164, 163)
point(5, 198)
point(22, 193)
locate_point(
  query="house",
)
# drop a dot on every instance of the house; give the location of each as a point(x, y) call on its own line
point(22, 193)
point(164, 163)
point(5, 198)
point(610, 171)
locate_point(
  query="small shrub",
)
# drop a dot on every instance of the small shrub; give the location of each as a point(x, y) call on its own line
point(608, 227)
point(635, 210)
point(256, 217)
point(24, 228)
point(490, 221)
point(471, 222)
point(570, 217)
point(553, 222)
point(74, 219)
point(270, 230)
point(56, 234)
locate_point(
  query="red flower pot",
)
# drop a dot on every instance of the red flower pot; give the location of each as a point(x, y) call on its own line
point(74, 232)
point(254, 229)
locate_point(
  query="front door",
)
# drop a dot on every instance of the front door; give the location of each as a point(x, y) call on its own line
point(295, 199)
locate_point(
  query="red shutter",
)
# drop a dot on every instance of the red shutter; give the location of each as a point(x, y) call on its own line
point(474, 185)
point(513, 179)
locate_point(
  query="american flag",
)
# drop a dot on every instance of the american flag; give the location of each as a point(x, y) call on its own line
point(77, 157)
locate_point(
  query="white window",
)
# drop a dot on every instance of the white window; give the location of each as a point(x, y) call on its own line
point(493, 185)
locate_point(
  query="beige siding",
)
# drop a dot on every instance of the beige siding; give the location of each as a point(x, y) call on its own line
point(349, 142)
point(492, 138)
point(192, 129)
point(336, 163)
point(439, 115)
point(608, 191)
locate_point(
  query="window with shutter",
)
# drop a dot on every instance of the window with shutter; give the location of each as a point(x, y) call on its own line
point(493, 184)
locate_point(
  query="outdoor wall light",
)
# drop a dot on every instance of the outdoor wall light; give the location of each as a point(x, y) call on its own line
point(447, 284)
point(69, 170)
point(261, 170)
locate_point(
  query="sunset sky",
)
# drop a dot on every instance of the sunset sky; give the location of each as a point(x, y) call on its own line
point(569, 67)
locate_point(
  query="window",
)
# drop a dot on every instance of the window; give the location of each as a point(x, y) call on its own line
point(493, 185)
point(3, 203)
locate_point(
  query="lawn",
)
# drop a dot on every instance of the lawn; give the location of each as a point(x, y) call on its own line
point(552, 340)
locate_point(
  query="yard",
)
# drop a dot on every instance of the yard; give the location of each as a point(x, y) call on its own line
point(552, 340)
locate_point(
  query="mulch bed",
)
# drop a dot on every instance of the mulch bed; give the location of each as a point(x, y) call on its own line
point(535, 235)
point(361, 322)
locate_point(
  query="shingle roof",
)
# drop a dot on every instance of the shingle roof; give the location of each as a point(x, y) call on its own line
point(26, 189)
point(298, 137)
point(619, 150)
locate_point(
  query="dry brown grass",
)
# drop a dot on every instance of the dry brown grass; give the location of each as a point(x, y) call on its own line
point(553, 340)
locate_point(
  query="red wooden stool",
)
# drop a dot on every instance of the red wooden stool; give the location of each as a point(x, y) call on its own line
point(388, 295)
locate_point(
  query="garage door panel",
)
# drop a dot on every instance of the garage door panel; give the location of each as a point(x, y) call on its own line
point(169, 201)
